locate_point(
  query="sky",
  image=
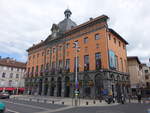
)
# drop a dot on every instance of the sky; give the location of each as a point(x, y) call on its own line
point(27, 22)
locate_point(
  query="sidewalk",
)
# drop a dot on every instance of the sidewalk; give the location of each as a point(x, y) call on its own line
point(62, 100)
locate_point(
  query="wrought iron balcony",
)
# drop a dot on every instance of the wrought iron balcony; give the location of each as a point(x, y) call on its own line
point(46, 71)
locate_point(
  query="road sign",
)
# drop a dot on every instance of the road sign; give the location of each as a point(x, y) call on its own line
point(76, 92)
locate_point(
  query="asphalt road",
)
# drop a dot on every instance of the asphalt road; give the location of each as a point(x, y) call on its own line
point(20, 106)
point(126, 108)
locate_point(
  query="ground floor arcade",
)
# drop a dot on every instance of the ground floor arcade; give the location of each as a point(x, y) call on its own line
point(91, 84)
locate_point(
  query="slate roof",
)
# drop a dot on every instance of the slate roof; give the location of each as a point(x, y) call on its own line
point(66, 25)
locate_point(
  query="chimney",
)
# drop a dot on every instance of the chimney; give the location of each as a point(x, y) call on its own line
point(91, 19)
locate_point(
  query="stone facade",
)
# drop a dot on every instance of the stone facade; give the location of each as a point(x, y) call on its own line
point(101, 67)
point(146, 72)
point(11, 75)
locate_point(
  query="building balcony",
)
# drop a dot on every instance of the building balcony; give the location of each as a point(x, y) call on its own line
point(36, 73)
point(98, 67)
point(41, 73)
point(46, 71)
point(67, 70)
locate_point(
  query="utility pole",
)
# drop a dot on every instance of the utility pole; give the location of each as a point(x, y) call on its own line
point(76, 73)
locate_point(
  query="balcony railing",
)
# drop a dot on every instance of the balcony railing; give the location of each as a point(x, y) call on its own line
point(98, 67)
point(46, 71)
point(41, 73)
point(67, 70)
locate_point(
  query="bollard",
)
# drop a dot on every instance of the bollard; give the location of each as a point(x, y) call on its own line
point(62, 103)
point(52, 102)
point(94, 102)
point(87, 102)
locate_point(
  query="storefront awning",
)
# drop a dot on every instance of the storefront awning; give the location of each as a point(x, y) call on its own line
point(10, 89)
point(21, 89)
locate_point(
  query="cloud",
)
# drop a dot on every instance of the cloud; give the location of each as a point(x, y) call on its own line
point(24, 22)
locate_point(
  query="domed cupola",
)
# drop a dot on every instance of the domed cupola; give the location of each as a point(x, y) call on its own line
point(67, 23)
point(67, 13)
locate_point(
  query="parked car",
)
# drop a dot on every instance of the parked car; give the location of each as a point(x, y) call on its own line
point(2, 107)
point(4, 95)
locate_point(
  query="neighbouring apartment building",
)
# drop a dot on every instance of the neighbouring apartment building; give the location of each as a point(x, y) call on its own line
point(101, 60)
point(146, 72)
point(12, 75)
point(137, 78)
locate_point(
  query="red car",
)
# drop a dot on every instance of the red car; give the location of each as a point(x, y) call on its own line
point(4, 95)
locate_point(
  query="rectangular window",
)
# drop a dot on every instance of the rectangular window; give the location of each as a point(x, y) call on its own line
point(60, 63)
point(53, 65)
point(11, 75)
point(146, 77)
point(17, 75)
point(3, 75)
point(121, 61)
point(47, 52)
point(47, 66)
point(77, 64)
point(109, 37)
point(85, 40)
point(123, 46)
point(98, 61)
point(67, 45)
point(146, 71)
point(67, 64)
point(97, 36)
point(86, 62)
point(42, 53)
point(36, 69)
point(32, 71)
point(60, 66)
point(116, 62)
point(41, 67)
point(115, 40)
point(54, 50)
point(119, 43)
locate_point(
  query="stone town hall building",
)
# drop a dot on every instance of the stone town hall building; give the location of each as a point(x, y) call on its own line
point(101, 60)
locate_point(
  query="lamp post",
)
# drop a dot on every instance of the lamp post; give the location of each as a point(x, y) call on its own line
point(76, 74)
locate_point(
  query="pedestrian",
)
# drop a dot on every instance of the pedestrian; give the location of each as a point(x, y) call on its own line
point(139, 97)
point(122, 99)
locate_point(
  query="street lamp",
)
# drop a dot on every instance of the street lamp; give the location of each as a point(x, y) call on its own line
point(76, 73)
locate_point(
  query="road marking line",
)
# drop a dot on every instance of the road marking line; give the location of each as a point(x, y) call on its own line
point(12, 111)
point(56, 110)
point(31, 106)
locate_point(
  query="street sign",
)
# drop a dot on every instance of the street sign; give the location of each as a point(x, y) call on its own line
point(76, 92)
